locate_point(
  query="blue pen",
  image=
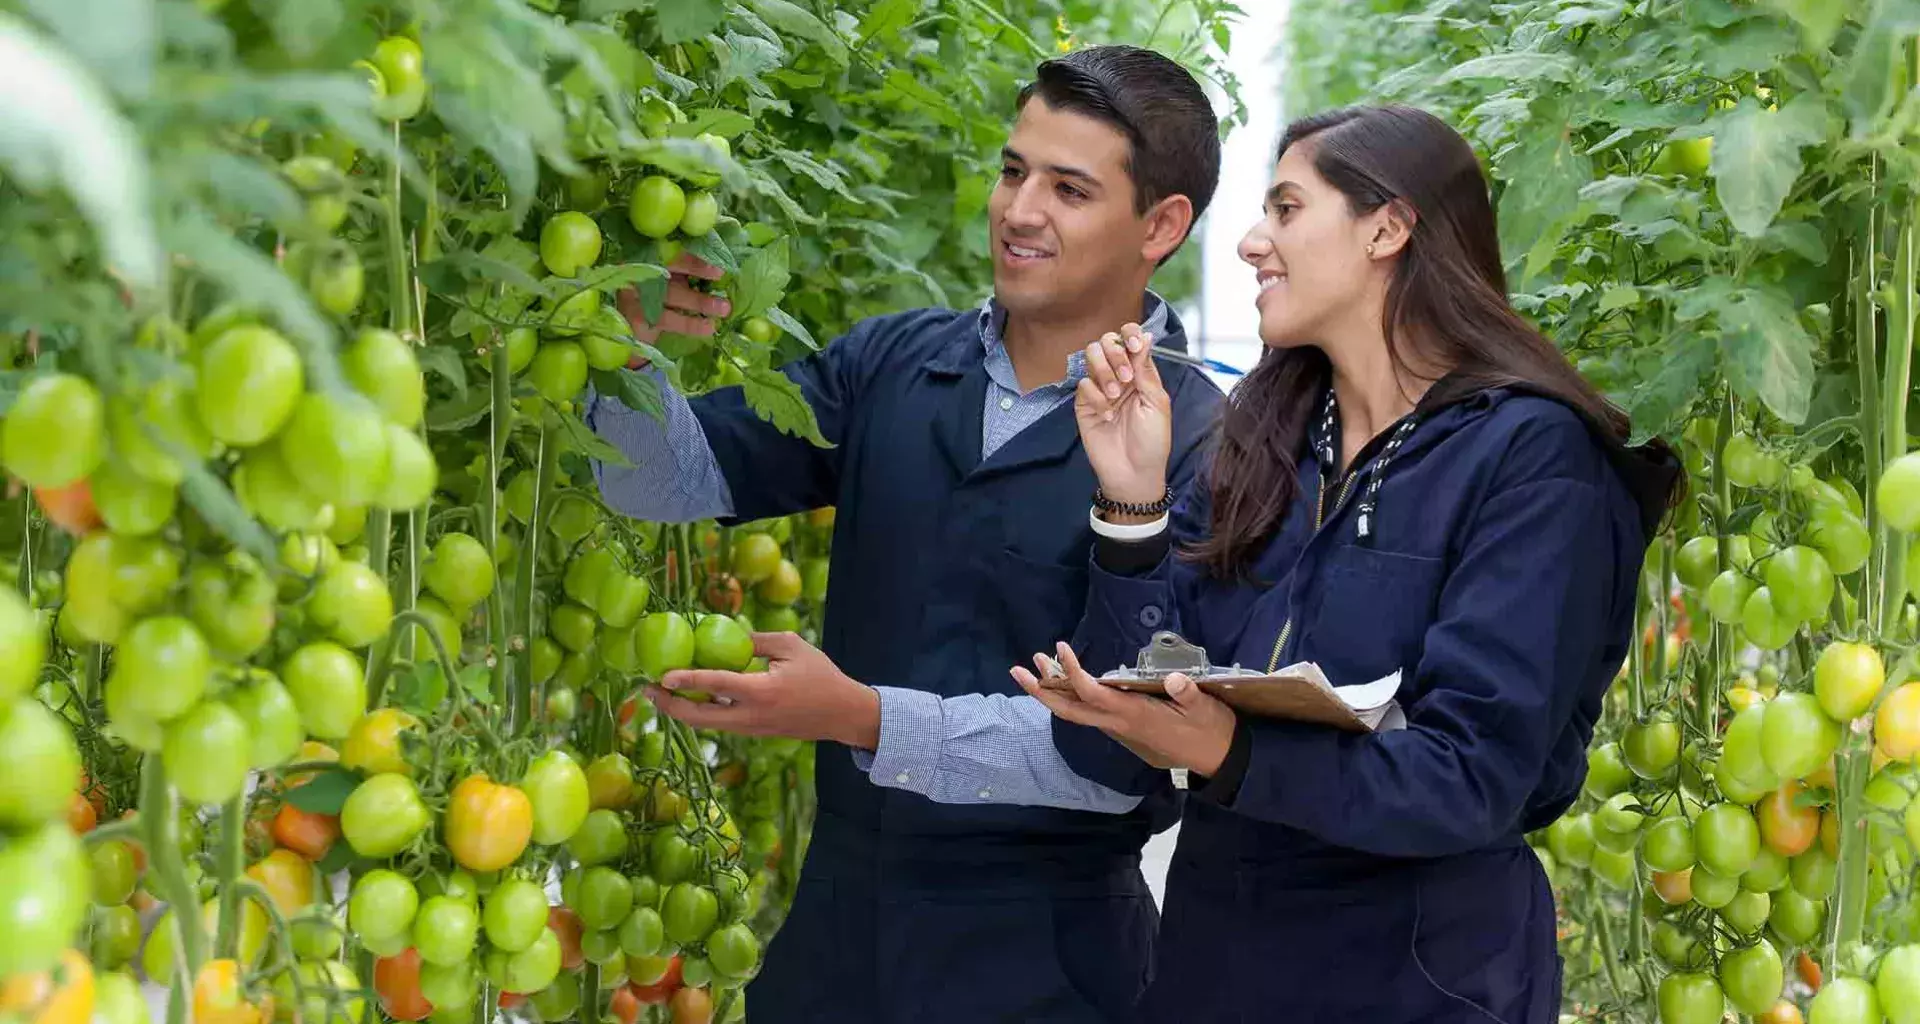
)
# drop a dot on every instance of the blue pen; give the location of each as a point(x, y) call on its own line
point(1192, 360)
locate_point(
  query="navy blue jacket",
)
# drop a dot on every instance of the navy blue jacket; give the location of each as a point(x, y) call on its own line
point(946, 570)
point(1382, 878)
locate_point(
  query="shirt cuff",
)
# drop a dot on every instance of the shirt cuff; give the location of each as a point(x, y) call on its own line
point(909, 751)
point(1130, 556)
point(1225, 784)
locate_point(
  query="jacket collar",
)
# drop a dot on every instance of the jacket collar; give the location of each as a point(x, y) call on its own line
point(967, 349)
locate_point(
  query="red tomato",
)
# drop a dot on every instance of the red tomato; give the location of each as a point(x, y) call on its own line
point(660, 991)
point(396, 979)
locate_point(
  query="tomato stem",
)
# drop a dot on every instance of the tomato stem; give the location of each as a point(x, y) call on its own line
point(1894, 382)
point(128, 829)
point(520, 695)
point(157, 810)
point(227, 865)
point(499, 426)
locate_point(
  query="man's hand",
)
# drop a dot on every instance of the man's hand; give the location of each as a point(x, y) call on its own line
point(802, 694)
point(687, 311)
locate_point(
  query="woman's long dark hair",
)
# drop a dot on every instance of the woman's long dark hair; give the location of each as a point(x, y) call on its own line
point(1448, 295)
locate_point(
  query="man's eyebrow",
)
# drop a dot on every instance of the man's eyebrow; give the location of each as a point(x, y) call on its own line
point(1057, 170)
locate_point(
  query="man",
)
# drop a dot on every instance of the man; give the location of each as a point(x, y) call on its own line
point(960, 547)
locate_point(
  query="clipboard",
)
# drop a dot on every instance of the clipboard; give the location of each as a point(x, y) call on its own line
point(1300, 692)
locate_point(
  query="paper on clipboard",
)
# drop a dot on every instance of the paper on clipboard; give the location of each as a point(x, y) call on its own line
point(1299, 692)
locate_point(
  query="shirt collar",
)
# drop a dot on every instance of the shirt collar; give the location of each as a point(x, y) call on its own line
point(993, 322)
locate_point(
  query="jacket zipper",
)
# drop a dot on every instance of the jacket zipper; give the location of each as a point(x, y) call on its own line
point(1319, 508)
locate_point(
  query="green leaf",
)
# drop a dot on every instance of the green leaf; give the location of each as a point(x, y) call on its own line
point(1820, 20)
point(687, 158)
point(221, 511)
point(746, 58)
point(1756, 157)
point(325, 792)
point(888, 17)
point(1667, 393)
point(727, 124)
point(683, 21)
point(443, 360)
point(59, 128)
point(712, 249)
point(1541, 198)
point(1620, 296)
point(116, 38)
point(777, 399)
point(794, 20)
point(301, 27)
point(596, 9)
point(653, 298)
point(477, 680)
point(762, 280)
point(422, 689)
point(339, 857)
point(830, 178)
point(637, 391)
point(787, 323)
point(590, 444)
point(1525, 66)
point(610, 279)
point(460, 413)
point(1769, 353)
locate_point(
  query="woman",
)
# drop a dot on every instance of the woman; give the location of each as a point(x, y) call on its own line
point(1412, 480)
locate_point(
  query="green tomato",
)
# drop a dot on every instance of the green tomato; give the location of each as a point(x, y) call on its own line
point(1796, 918)
point(383, 815)
point(1753, 977)
point(445, 930)
point(1691, 997)
point(559, 371)
point(656, 206)
point(1797, 737)
point(459, 571)
point(600, 839)
point(1767, 873)
point(534, 967)
point(1747, 913)
point(1898, 495)
point(1727, 596)
point(604, 899)
point(663, 642)
point(1668, 845)
point(130, 504)
point(55, 432)
point(272, 720)
point(1711, 890)
point(1652, 748)
point(382, 366)
point(1742, 750)
point(689, 913)
point(701, 214)
point(206, 753)
point(1801, 581)
point(1726, 839)
point(383, 904)
point(643, 933)
point(557, 787)
point(1765, 624)
point(250, 378)
point(515, 915)
point(720, 642)
point(1846, 1001)
point(569, 243)
point(1698, 562)
point(1814, 873)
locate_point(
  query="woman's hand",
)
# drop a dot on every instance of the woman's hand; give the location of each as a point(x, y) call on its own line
point(1125, 416)
point(1190, 730)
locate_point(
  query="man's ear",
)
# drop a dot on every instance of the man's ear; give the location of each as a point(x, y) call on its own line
point(1168, 222)
point(1392, 230)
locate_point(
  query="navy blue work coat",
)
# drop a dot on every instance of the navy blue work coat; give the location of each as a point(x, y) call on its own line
point(946, 571)
point(1331, 876)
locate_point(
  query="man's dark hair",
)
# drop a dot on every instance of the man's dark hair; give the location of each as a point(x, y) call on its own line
point(1173, 134)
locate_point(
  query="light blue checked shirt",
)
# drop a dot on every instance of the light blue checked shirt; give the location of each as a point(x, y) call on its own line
point(973, 748)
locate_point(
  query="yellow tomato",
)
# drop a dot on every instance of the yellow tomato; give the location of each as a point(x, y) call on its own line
point(288, 879)
point(63, 995)
point(373, 744)
point(217, 998)
point(1896, 725)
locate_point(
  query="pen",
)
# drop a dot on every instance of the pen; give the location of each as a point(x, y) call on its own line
point(1192, 360)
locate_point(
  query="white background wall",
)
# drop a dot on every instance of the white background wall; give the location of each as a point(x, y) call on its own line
point(1223, 318)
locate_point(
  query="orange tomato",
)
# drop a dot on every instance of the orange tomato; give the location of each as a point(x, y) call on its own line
point(69, 507)
point(396, 980)
point(1674, 887)
point(63, 995)
point(625, 1006)
point(662, 990)
point(509, 1000)
point(217, 998)
point(81, 815)
point(1788, 830)
point(693, 1006)
point(723, 594)
point(306, 833)
point(488, 824)
point(1822, 777)
point(1808, 969)
point(287, 877)
point(568, 928)
point(1783, 1012)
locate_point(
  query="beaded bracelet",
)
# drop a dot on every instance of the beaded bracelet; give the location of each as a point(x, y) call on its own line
point(1132, 508)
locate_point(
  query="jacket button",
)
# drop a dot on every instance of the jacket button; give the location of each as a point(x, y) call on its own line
point(1150, 616)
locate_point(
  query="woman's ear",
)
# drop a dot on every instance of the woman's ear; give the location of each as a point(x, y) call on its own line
point(1392, 226)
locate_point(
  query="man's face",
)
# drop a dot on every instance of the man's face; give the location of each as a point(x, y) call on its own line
point(1063, 220)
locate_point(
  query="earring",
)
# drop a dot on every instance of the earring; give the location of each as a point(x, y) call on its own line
point(1369, 248)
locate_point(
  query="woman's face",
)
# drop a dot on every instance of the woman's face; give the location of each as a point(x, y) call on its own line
point(1310, 253)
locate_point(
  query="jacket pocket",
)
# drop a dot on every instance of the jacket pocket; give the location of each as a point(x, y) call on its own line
point(1035, 604)
point(1369, 611)
point(1484, 938)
